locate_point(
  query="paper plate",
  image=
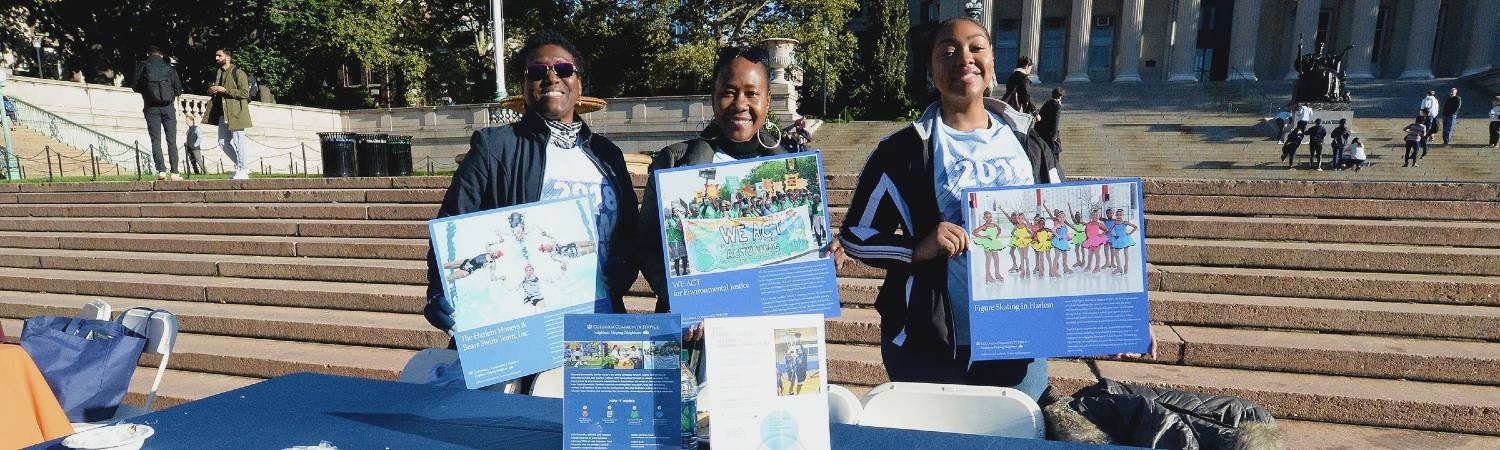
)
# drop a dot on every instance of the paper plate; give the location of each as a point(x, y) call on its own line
point(125, 436)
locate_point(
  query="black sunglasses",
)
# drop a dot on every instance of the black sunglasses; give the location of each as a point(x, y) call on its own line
point(537, 72)
point(753, 54)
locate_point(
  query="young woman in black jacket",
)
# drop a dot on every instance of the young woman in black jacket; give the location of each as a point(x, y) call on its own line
point(907, 207)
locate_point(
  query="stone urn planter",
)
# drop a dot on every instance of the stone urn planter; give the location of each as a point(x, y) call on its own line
point(781, 57)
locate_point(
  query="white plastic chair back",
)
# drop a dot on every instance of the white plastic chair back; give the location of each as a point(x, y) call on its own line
point(843, 406)
point(982, 410)
point(421, 364)
point(160, 329)
point(96, 309)
point(548, 384)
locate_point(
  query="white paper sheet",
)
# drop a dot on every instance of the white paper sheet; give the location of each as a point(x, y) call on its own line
point(769, 380)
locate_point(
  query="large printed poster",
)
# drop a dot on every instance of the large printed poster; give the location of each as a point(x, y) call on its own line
point(511, 274)
point(747, 238)
point(1057, 270)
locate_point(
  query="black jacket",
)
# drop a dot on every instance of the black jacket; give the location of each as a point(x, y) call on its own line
point(1116, 413)
point(686, 153)
point(1316, 134)
point(895, 206)
point(160, 71)
point(1019, 83)
point(1452, 105)
point(504, 167)
point(1340, 136)
point(1049, 119)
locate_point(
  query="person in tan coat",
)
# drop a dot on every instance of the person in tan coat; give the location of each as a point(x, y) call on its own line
point(230, 110)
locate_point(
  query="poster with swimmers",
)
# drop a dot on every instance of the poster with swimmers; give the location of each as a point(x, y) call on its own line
point(1056, 270)
point(747, 238)
point(511, 274)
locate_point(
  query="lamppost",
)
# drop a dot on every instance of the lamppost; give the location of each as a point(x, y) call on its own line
point(496, 6)
point(37, 42)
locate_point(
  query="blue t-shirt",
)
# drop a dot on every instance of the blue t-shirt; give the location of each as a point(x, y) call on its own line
point(986, 157)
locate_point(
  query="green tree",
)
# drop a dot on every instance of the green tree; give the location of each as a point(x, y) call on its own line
point(883, 47)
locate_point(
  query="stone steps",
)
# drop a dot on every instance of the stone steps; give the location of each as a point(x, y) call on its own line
point(396, 229)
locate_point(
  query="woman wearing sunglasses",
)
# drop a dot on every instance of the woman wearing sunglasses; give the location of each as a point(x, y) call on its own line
point(549, 154)
point(913, 183)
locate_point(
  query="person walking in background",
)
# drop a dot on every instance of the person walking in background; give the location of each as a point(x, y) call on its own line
point(1017, 87)
point(1431, 107)
point(1284, 123)
point(1340, 138)
point(159, 86)
point(1451, 105)
point(1315, 137)
point(1416, 133)
point(230, 110)
point(1356, 154)
point(1495, 122)
point(10, 111)
point(194, 145)
point(1289, 149)
point(1304, 116)
point(1050, 121)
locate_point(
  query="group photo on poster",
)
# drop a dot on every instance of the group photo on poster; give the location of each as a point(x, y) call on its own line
point(744, 215)
point(1056, 242)
point(510, 274)
point(747, 237)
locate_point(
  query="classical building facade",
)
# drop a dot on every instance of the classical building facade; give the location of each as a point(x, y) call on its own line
point(1201, 40)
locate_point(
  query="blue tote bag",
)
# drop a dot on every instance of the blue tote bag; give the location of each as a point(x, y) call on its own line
point(87, 363)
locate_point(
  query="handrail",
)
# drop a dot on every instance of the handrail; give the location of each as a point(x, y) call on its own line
point(74, 134)
point(1255, 88)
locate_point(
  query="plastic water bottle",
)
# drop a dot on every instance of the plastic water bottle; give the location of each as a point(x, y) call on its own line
point(689, 406)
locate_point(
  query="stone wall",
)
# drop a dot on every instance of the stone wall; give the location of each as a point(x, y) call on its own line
point(277, 139)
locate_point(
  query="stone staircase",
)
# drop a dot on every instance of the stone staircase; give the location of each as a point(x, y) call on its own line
point(1363, 315)
point(32, 151)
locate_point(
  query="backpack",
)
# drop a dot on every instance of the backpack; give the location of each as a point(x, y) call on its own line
point(156, 84)
point(253, 91)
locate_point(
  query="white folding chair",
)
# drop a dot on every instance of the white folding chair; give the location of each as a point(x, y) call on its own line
point(419, 369)
point(160, 329)
point(843, 405)
point(548, 384)
point(983, 410)
point(96, 309)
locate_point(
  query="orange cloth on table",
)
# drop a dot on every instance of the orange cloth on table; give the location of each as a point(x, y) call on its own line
point(29, 413)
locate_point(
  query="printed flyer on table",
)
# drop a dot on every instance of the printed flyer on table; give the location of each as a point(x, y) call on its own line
point(511, 274)
point(1055, 270)
point(622, 381)
point(748, 237)
point(769, 382)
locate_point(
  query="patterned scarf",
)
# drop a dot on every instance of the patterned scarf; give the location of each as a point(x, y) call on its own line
point(564, 135)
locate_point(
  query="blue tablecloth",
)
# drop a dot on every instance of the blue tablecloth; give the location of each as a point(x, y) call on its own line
point(357, 413)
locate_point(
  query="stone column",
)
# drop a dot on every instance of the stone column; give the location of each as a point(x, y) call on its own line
point(1424, 19)
point(1128, 66)
point(1246, 29)
point(1362, 37)
point(1031, 32)
point(1078, 40)
point(1185, 42)
point(1305, 31)
point(1485, 14)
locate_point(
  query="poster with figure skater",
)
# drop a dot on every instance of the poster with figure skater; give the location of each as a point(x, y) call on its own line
point(747, 238)
point(1056, 270)
point(511, 274)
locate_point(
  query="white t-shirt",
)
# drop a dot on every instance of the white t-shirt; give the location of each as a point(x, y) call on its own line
point(1495, 113)
point(1357, 151)
point(1430, 104)
point(570, 173)
point(986, 157)
point(1304, 114)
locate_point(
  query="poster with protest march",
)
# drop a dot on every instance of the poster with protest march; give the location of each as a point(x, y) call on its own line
point(747, 238)
point(511, 274)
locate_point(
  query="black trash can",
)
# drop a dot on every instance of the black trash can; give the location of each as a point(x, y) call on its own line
point(399, 150)
point(338, 154)
point(372, 154)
